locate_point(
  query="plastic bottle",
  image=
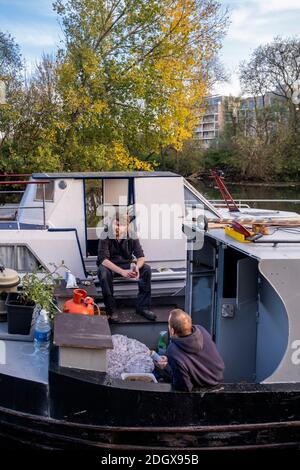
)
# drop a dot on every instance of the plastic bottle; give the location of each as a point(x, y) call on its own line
point(133, 267)
point(162, 343)
point(42, 331)
point(154, 356)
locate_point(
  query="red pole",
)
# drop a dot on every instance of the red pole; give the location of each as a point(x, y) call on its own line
point(224, 192)
point(23, 182)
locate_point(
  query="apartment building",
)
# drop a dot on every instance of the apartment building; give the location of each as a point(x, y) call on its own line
point(222, 109)
point(211, 122)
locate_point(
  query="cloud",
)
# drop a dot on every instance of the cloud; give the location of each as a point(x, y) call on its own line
point(31, 31)
point(278, 5)
point(259, 21)
point(248, 26)
point(31, 23)
point(42, 8)
point(36, 37)
point(264, 5)
point(255, 22)
point(229, 88)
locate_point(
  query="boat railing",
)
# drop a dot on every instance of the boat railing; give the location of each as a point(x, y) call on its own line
point(14, 182)
point(192, 203)
point(247, 203)
point(221, 204)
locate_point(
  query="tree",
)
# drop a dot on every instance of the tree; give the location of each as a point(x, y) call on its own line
point(30, 112)
point(131, 75)
point(272, 78)
point(274, 68)
point(125, 84)
point(10, 82)
point(10, 57)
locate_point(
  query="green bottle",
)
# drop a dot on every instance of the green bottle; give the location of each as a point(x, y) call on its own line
point(162, 343)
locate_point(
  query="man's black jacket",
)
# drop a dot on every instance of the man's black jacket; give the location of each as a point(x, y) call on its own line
point(119, 251)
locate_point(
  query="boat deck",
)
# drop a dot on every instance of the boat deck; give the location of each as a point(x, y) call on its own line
point(129, 322)
point(14, 225)
point(20, 359)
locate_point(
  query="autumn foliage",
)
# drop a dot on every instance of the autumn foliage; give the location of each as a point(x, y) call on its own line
point(128, 81)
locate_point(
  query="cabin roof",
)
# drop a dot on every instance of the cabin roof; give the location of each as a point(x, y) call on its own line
point(269, 249)
point(105, 174)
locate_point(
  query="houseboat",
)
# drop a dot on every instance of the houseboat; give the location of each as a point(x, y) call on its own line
point(243, 290)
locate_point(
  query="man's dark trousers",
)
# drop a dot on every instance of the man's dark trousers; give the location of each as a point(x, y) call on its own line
point(106, 277)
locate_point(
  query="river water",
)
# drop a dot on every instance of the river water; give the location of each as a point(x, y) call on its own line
point(209, 190)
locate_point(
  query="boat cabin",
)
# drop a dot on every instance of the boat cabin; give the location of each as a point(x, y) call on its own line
point(62, 215)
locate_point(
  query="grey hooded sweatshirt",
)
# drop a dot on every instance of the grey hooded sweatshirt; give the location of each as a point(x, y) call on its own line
point(194, 361)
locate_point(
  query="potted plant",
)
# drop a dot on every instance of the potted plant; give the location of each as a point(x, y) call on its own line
point(9, 280)
point(36, 292)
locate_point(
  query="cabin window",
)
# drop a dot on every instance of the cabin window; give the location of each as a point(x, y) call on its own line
point(49, 192)
point(190, 198)
point(197, 204)
point(93, 202)
point(20, 258)
point(100, 197)
point(93, 212)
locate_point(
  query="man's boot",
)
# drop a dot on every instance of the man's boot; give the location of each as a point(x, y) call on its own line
point(110, 307)
point(145, 312)
point(113, 317)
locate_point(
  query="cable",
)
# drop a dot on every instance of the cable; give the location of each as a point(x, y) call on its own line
point(275, 230)
point(290, 230)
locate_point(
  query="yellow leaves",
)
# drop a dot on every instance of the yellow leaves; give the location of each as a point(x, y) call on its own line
point(65, 72)
point(45, 159)
point(98, 106)
point(60, 125)
point(135, 83)
point(91, 62)
point(180, 15)
point(48, 135)
point(120, 159)
point(178, 70)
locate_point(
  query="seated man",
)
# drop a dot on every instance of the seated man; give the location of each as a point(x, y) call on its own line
point(192, 358)
point(115, 254)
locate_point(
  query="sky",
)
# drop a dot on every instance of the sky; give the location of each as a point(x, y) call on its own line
point(252, 23)
point(34, 25)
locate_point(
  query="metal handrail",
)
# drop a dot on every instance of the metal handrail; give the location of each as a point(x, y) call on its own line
point(12, 192)
point(192, 202)
point(242, 203)
point(10, 183)
point(20, 207)
point(10, 175)
point(258, 200)
point(238, 203)
point(26, 183)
